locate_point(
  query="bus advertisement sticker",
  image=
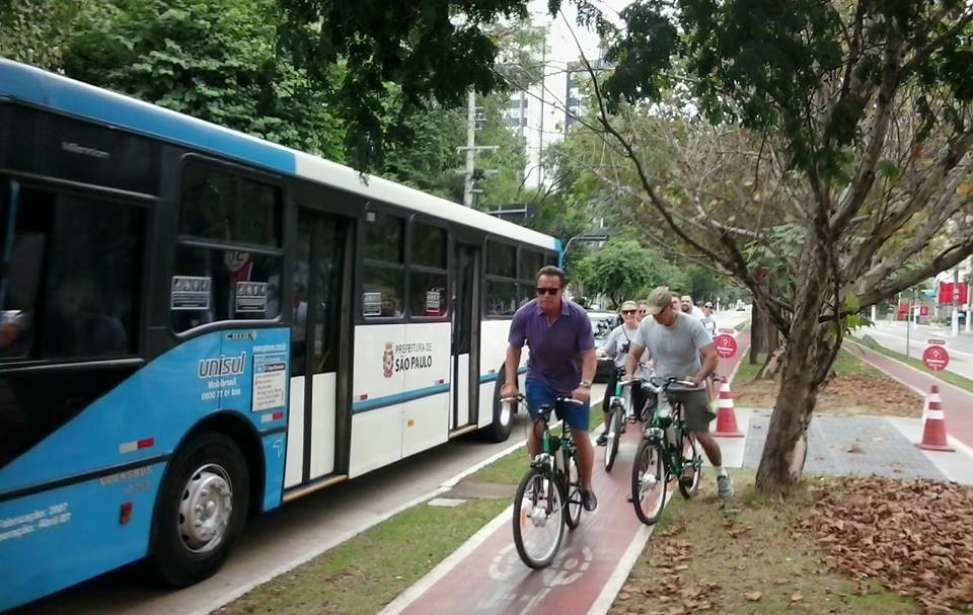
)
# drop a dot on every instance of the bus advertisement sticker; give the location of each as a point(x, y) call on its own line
point(251, 297)
point(371, 304)
point(190, 292)
point(269, 380)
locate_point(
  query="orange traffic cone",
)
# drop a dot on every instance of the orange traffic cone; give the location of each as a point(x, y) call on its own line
point(934, 425)
point(726, 420)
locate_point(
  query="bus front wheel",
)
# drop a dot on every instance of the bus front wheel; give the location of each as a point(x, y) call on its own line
point(201, 510)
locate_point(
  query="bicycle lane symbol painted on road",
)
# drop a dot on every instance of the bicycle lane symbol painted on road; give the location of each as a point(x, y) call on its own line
point(568, 566)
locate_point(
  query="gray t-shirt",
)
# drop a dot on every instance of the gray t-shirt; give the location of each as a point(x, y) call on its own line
point(709, 323)
point(617, 344)
point(675, 349)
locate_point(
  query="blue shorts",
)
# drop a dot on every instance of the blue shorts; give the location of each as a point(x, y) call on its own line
point(540, 394)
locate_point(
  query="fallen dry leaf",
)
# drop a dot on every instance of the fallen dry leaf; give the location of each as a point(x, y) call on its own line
point(753, 596)
point(911, 537)
point(797, 597)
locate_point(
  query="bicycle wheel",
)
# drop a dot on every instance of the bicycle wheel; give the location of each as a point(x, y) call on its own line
point(614, 436)
point(690, 454)
point(649, 483)
point(538, 518)
point(572, 511)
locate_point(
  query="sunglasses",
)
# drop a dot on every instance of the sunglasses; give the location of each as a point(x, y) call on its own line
point(549, 291)
point(628, 311)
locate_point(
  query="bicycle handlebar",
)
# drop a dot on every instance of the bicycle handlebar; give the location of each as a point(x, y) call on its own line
point(669, 382)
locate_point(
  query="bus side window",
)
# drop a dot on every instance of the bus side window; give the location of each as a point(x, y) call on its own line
point(383, 274)
point(73, 282)
point(501, 282)
point(427, 272)
point(240, 280)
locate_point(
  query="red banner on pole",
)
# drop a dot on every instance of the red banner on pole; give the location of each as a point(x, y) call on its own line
point(949, 291)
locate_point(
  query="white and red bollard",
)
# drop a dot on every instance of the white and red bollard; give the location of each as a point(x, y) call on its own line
point(934, 424)
point(726, 420)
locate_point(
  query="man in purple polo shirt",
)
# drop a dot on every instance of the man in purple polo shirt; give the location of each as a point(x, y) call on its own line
point(562, 362)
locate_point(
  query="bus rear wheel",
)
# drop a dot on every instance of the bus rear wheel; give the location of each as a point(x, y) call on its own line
point(503, 417)
point(201, 510)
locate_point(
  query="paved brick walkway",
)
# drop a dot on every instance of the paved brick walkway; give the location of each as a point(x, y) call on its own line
point(843, 446)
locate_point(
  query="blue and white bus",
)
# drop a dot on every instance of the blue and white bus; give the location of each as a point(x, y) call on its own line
point(197, 325)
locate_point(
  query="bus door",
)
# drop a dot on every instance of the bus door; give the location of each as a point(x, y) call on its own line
point(466, 337)
point(319, 283)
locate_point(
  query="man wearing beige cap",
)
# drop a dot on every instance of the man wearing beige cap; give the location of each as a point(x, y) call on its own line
point(676, 341)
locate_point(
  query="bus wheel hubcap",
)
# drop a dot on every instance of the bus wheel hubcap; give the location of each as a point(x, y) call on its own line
point(205, 508)
point(504, 414)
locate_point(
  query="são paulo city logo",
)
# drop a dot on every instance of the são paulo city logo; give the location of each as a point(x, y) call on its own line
point(404, 357)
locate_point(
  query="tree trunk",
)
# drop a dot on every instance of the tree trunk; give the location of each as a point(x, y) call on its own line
point(807, 359)
point(774, 362)
point(785, 451)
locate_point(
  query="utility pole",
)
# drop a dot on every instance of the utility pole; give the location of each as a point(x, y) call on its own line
point(469, 186)
point(470, 152)
point(540, 136)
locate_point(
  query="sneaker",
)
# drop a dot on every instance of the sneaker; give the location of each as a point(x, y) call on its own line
point(602, 439)
point(724, 487)
point(589, 501)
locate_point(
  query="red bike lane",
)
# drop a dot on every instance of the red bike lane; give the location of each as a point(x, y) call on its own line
point(486, 575)
point(957, 403)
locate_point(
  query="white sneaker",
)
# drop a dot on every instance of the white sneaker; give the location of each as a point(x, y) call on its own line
point(724, 487)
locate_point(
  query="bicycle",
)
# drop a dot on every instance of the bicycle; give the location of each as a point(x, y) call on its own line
point(549, 496)
point(619, 410)
point(666, 447)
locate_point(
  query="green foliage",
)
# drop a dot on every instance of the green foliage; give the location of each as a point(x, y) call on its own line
point(432, 50)
point(213, 59)
point(33, 32)
point(762, 63)
point(429, 160)
point(621, 270)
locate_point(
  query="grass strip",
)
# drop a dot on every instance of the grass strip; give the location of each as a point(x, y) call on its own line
point(364, 574)
point(847, 364)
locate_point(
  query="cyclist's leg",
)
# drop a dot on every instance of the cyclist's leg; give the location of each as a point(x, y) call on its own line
point(538, 394)
point(605, 406)
point(576, 417)
point(699, 414)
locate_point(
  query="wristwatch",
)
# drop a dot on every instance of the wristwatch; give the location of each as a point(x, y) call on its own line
point(585, 384)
